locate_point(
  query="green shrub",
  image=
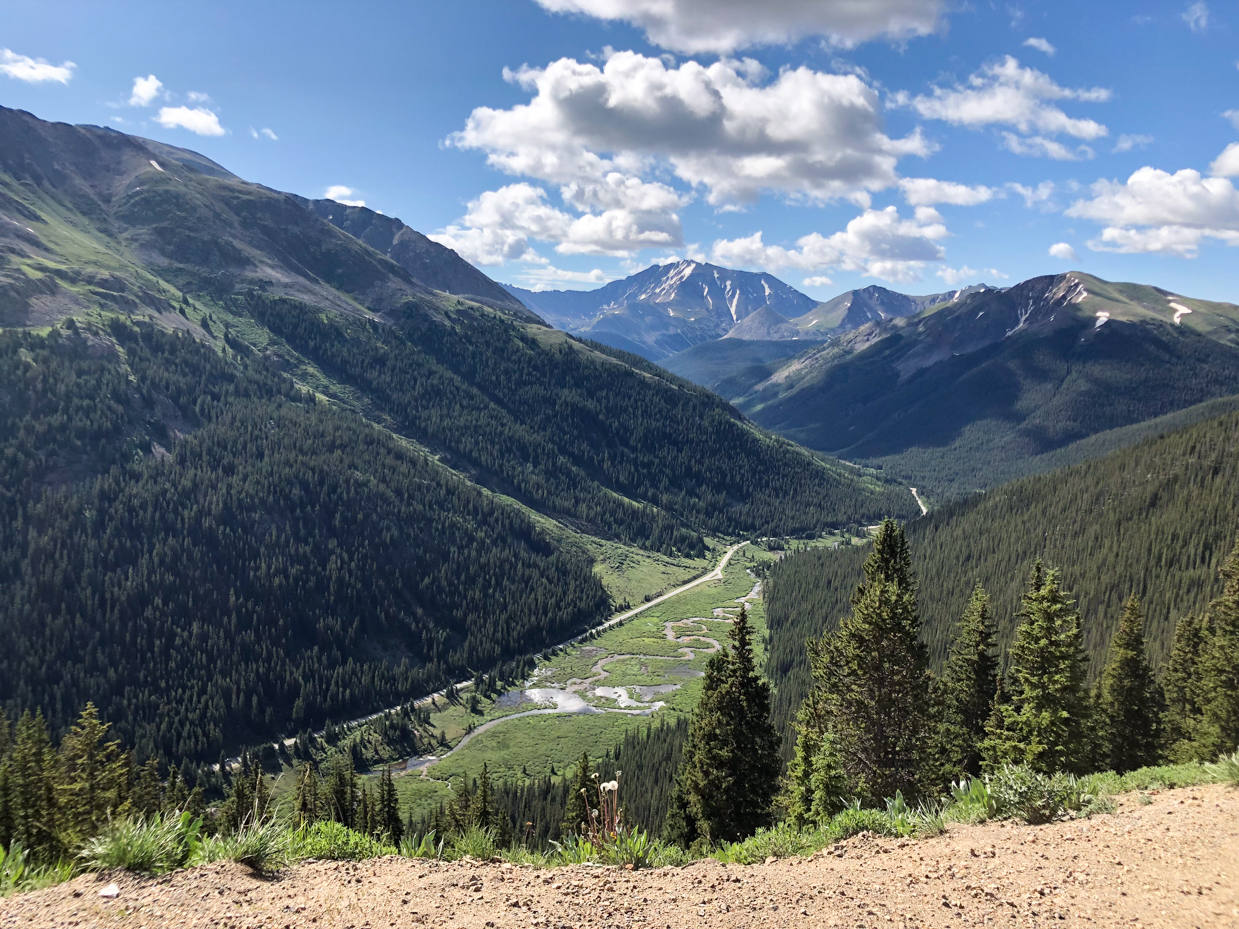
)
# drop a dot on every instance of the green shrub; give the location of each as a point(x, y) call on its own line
point(1020, 792)
point(574, 850)
point(475, 843)
point(13, 869)
point(971, 802)
point(425, 847)
point(146, 846)
point(263, 846)
point(336, 842)
point(1226, 769)
point(629, 846)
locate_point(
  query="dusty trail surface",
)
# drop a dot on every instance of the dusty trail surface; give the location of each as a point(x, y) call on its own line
point(1171, 863)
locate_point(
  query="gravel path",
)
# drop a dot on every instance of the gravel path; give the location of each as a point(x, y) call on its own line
point(1171, 863)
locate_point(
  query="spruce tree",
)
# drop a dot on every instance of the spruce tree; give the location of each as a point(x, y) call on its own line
point(1181, 684)
point(1219, 667)
point(389, 808)
point(483, 809)
point(872, 681)
point(730, 769)
point(1130, 705)
point(582, 798)
point(146, 797)
point(965, 692)
point(87, 789)
point(306, 801)
point(31, 776)
point(1046, 723)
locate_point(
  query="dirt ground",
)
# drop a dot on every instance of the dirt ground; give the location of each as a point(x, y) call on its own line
point(1172, 862)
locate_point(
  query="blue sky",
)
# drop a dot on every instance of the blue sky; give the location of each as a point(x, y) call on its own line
point(563, 143)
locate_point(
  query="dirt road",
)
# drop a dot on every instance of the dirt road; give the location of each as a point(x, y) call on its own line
point(1171, 863)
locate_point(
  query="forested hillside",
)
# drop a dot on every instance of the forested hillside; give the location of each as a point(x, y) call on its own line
point(294, 508)
point(1155, 520)
point(283, 563)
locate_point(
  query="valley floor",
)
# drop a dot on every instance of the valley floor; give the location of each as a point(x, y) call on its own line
point(1170, 862)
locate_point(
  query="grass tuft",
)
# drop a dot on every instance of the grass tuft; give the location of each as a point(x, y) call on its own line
point(263, 846)
point(336, 842)
point(145, 846)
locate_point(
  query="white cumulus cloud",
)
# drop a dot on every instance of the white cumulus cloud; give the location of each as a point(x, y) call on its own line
point(953, 277)
point(726, 127)
point(1156, 211)
point(1197, 17)
point(145, 90)
point(1063, 252)
point(817, 281)
point(264, 133)
point(1127, 143)
point(549, 277)
point(1037, 146)
point(199, 120)
point(501, 225)
point(925, 191)
point(1039, 196)
point(1005, 93)
point(878, 243)
point(1233, 116)
point(723, 26)
point(1041, 45)
point(341, 194)
point(34, 70)
point(1227, 163)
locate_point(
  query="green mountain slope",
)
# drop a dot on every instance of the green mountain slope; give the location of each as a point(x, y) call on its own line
point(968, 395)
point(1155, 520)
point(212, 554)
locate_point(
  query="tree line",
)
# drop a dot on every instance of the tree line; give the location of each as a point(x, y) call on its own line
point(1155, 520)
point(878, 723)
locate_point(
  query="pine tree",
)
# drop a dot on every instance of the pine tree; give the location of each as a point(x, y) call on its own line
point(582, 798)
point(86, 791)
point(730, 769)
point(1181, 684)
point(342, 791)
point(1046, 723)
point(871, 678)
point(1219, 667)
point(965, 692)
point(1130, 704)
point(30, 775)
point(4, 734)
point(389, 808)
point(176, 793)
point(482, 809)
point(306, 801)
point(146, 798)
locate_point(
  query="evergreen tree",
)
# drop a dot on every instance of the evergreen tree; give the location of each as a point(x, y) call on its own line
point(1130, 705)
point(30, 770)
point(87, 791)
point(306, 801)
point(342, 791)
point(581, 799)
point(1181, 684)
point(1219, 667)
point(146, 797)
point(965, 692)
point(731, 763)
point(482, 809)
point(390, 823)
point(176, 793)
point(872, 682)
point(1046, 723)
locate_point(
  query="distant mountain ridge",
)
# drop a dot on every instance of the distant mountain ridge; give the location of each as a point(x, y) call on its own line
point(965, 396)
point(667, 308)
point(855, 308)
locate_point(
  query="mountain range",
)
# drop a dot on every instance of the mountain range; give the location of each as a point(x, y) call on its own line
point(667, 308)
point(256, 472)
